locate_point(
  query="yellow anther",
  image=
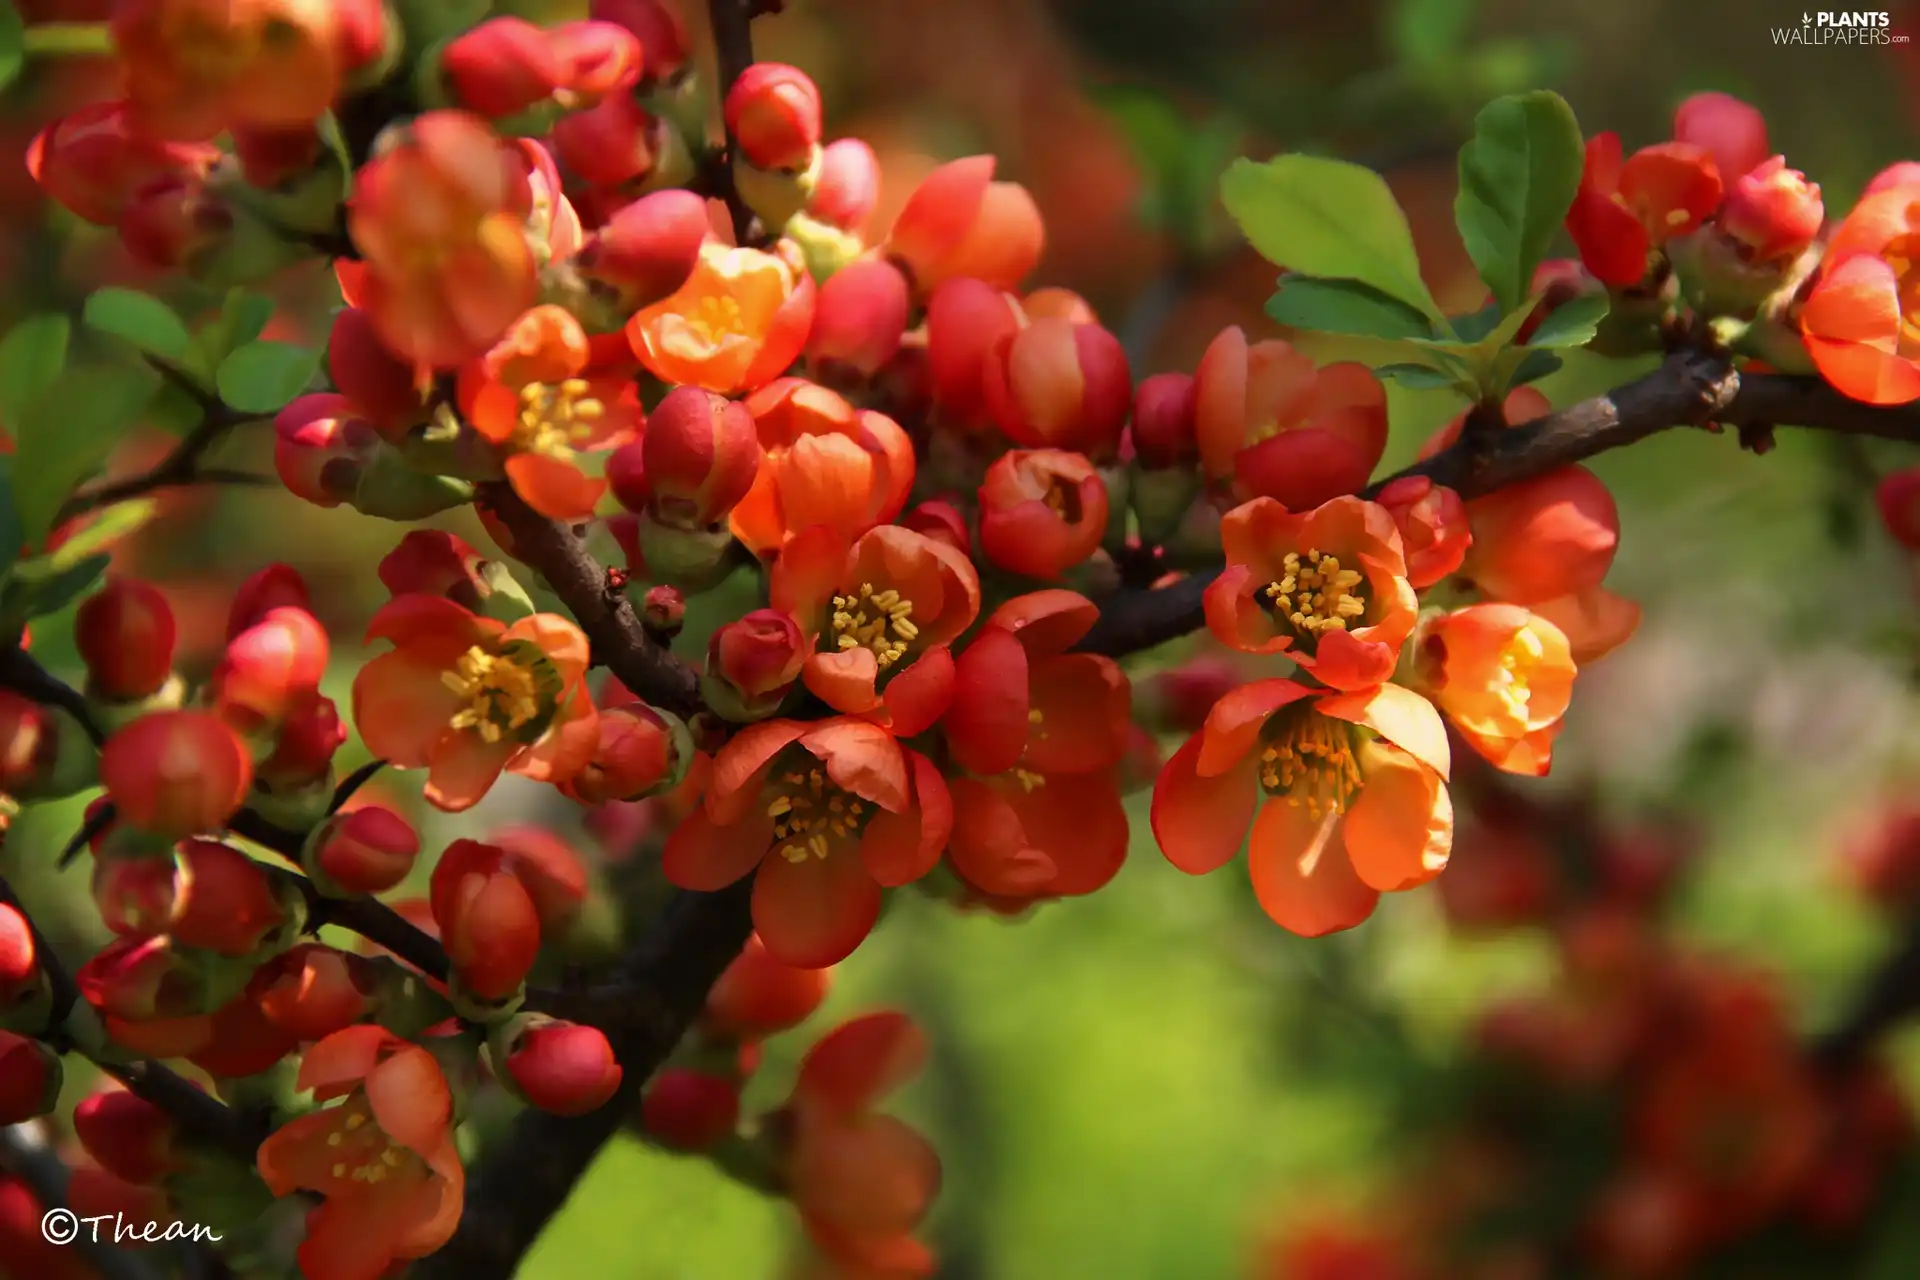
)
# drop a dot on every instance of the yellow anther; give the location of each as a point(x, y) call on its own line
point(1029, 780)
point(718, 316)
point(1309, 760)
point(502, 695)
point(333, 1139)
point(1510, 680)
point(1315, 594)
point(811, 813)
point(880, 621)
point(355, 1121)
point(781, 805)
point(555, 418)
point(339, 1171)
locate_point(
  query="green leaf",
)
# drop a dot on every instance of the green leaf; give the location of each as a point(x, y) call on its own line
point(1572, 324)
point(261, 377)
point(69, 431)
point(141, 319)
point(31, 357)
point(1345, 306)
point(1419, 377)
point(13, 43)
point(1518, 176)
point(1476, 325)
point(38, 587)
point(107, 527)
point(1536, 365)
point(1327, 218)
point(1425, 32)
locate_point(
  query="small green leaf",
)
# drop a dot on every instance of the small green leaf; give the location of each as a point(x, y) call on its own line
point(1518, 176)
point(140, 318)
point(13, 43)
point(1419, 377)
point(1327, 218)
point(1476, 325)
point(243, 317)
point(68, 433)
point(1536, 365)
point(261, 377)
point(31, 357)
point(1573, 323)
point(37, 587)
point(107, 527)
point(1344, 306)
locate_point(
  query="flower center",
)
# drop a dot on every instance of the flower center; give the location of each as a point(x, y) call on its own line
point(1901, 255)
point(810, 813)
point(554, 418)
point(717, 317)
point(362, 1151)
point(1309, 761)
point(1517, 658)
point(503, 692)
point(1064, 500)
point(877, 620)
point(1315, 594)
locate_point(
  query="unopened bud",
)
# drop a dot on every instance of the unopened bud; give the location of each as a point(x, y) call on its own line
point(751, 664)
point(486, 919)
point(270, 670)
point(848, 185)
point(648, 249)
point(321, 445)
point(700, 453)
point(274, 587)
point(1433, 527)
point(366, 850)
point(501, 67)
point(125, 633)
point(30, 1077)
point(690, 1110)
point(773, 112)
point(228, 903)
point(1773, 211)
point(560, 1067)
point(859, 319)
point(130, 1137)
point(176, 773)
point(663, 611)
point(1163, 421)
point(641, 752)
point(757, 996)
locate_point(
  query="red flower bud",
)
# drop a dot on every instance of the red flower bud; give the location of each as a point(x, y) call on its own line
point(125, 633)
point(29, 1078)
point(1733, 132)
point(1898, 497)
point(365, 850)
point(140, 980)
point(1543, 538)
point(29, 744)
point(648, 248)
point(486, 919)
point(635, 758)
point(312, 991)
point(379, 383)
point(959, 222)
point(965, 320)
point(1773, 211)
point(1179, 698)
point(597, 61)
point(1042, 511)
point(1059, 385)
point(176, 773)
point(19, 962)
point(270, 670)
point(274, 587)
point(128, 1136)
point(171, 223)
point(1901, 173)
point(552, 871)
point(758, 656)
point(501, 67)
point(701, 453)
point(563, 1067)
point(93, 1192)
point(617, 141)
point(137, 896)
point(659, 30)
point(859, 318)
point(1163, 421)
point(942, 521)
point(433, 562)
point(303, 750)
point(321, 444)
point(1433, 527)
point(690, 1110)
point(773, 112)
point(758, 996)
point(270, 157)
point(228, 904)
point(664, 610)
point(96, 160)
point(847, 186)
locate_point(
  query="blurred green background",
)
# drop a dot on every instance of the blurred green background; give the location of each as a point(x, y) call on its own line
point(1139, 1084)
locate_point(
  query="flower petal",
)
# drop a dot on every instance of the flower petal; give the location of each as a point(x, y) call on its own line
point(1301, 874)
point(1399, 715)
point(402, 708)
point(1201, 821)
point(1400, 829)
point(704, 856)
point(814, 912)
point(987, 724)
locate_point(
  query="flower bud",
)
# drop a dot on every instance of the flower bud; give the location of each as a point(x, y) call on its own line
point(30, 1077)
point(274, 587)
point(1059, 385)
point(96, 160)
point(229, 905)
point(312, 990)
point(658, 28)
point(700, 453)
point(1163, 421)
point(501, 67)
point(433, 562)
point(552, 871)
point(177, 224)
point(194, 69)
point(125, 633)
point(847, 187)
point(598, 61)
point(941, 521)
point(1042, 511)
point(1178, 699)
point(366, 850)
point(1549, 536)
point(560, 1067)
point(773, 112)
point(1901, 173)
point(128, 1136)
point(321, 445)
point(959, 222)
point(859, 319)
point(142, 980)
point(379, 383)
point(690, 1110)
point(757, 996)
point(1433, 527)
point(1773, 211)
point(1898, 497)
point(137, 896)
point(648, 249)
point(270, 670)
point(486, 919)
point(271, 158)
point(1733, 132)
point(966, 319)
point(44, 753)
point(641, 752)
point(663, 611)
point(176, 773)
point(752, 662)
point(96, 1195)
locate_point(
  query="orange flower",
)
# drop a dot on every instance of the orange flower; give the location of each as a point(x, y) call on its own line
point(960, 222)
point(735, 325)
point(1279, 428)
point(1042, 730)
point(1042, 511)
point(830, 812)
point(826, 463)
point(1550, 536)
point(1504, 676)
point(467, 696)
point(384, 1157)
point(534, 397)
point(1594, 620)
point(882, 612)
point(1328, 588)
point(1862, 321)
point(193, 68)
point(1623, 212)
point(1345, 794)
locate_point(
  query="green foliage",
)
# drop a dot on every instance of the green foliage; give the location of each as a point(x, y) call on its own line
point(1180, 158)
point(261, 377)
point(13, 43)
point(1345, 306)
point(243, 318)
point(1573, 324)
point(1328, 218)
point(68, 431)
point(48, 583)
point(141, 319)
point(31, 357)
point(1518, 176)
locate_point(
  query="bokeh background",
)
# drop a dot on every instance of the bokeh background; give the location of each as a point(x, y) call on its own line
point(1149, 1082)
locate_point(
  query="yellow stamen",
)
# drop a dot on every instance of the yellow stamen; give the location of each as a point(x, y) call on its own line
point(810, 813)
point(1309, 761)
point(1029, 781)
point(1315, 594)
point(556, 417)
point(717, 317)
point(880, 621)
point(1510, 679)
point(502, 693)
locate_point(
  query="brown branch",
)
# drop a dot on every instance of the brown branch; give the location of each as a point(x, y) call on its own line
point(733, 43)
point(1690, 389)
point(21, 672)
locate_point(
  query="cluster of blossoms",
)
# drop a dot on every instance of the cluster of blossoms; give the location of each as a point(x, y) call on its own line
point(1651, 1113)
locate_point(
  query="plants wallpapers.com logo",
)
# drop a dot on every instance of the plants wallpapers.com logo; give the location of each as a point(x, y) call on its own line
point(1843, 27)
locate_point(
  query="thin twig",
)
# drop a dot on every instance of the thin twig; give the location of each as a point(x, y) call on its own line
point(21, 672)
point(733, 43)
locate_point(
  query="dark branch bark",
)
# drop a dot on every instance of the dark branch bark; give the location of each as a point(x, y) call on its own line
point(21, 672)
point(733, 43)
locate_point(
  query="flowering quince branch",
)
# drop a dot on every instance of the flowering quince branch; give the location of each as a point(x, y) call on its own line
point(25, 1153)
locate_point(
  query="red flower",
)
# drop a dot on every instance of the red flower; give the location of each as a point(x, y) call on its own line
point(1504, 676)
point(734, 326)
point(830, 813)
point(1625, 211)
point(1859, 322)
point(826, 463)
point(1042, 511)
point(960, 222)
point(467, 697)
